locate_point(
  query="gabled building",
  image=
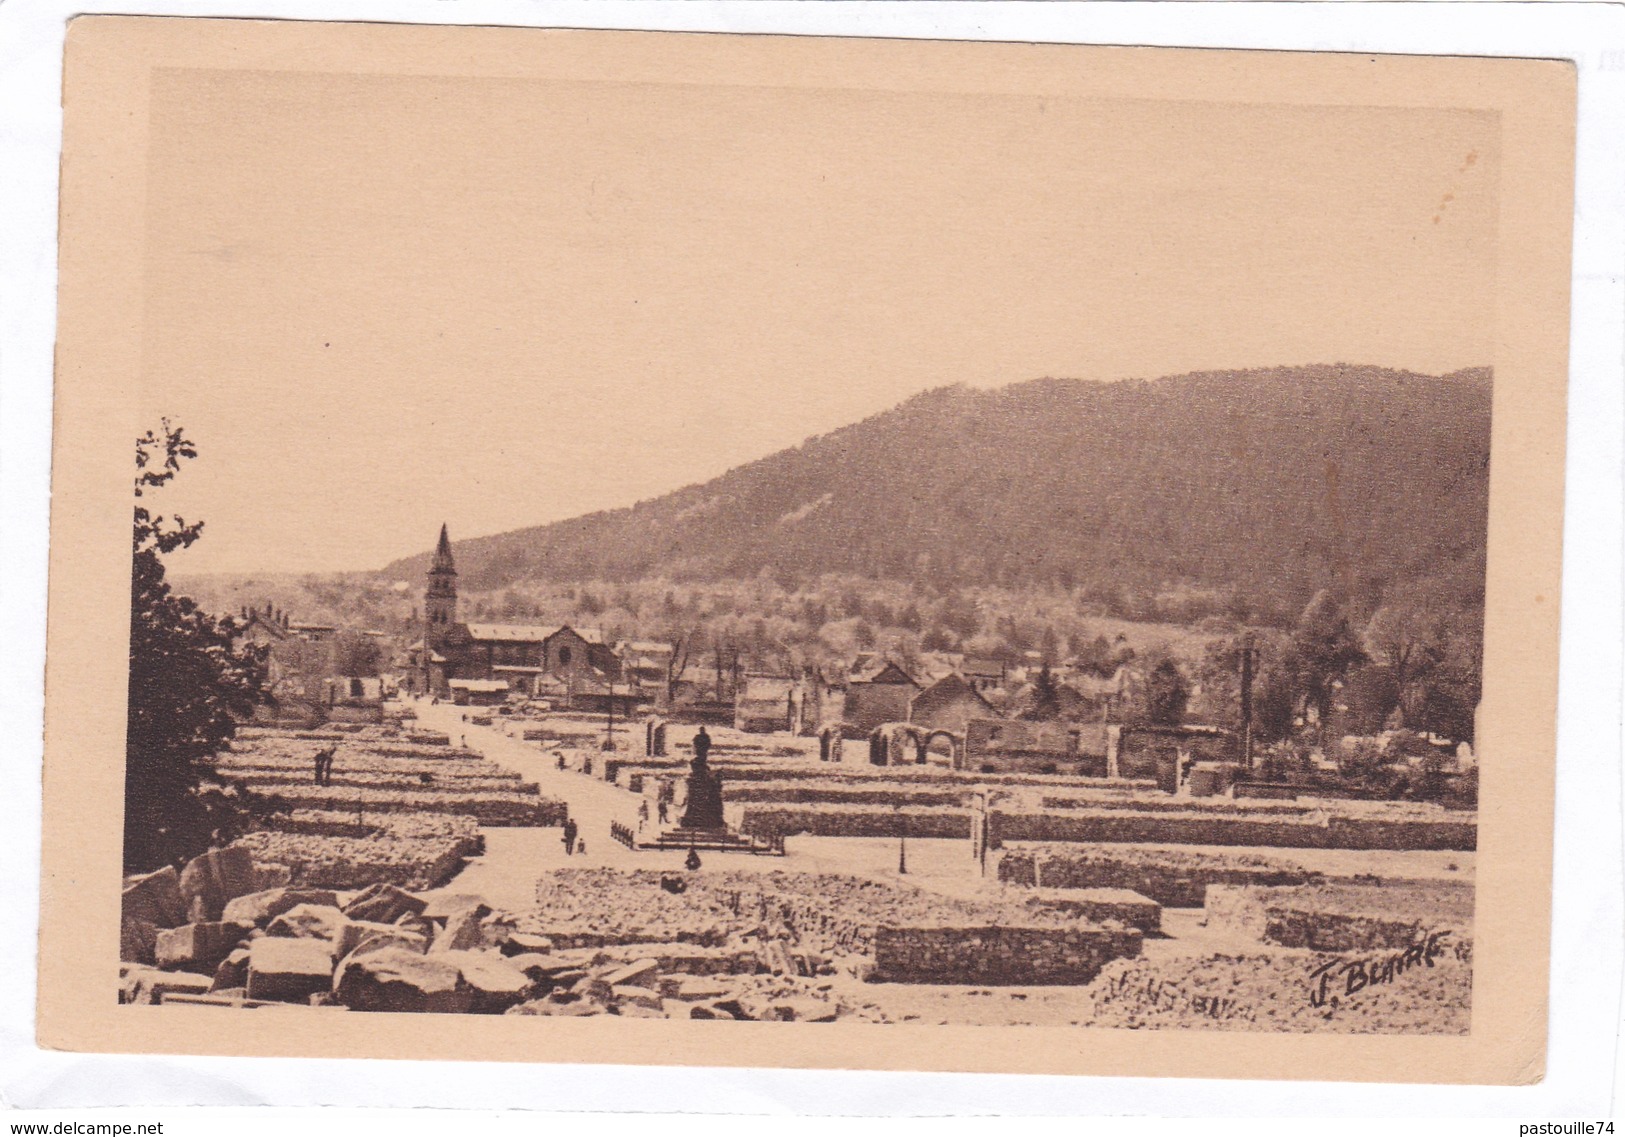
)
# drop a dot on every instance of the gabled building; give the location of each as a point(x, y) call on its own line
point(883, 695)
point(530, 659)
point(768, 703)
point(1011, 746)
point(647, 666)
point(985, 675)
point(950, 704)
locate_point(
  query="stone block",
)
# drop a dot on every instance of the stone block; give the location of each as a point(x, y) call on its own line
point(443, 907)
point(364, 938)
point(734, 1008)
point(271, 876)
point(578, 1009)
point(198, 947)
point(522, 943)
point(311, 922)
point(289, 970)
point(640, 996)
point(155, 898)
point(494, 982)
point(639, 1011)
point(698, 987)
point(642, 973)
point(709, 1011)
point(355, 932)
point(395, 979)
point(138, 941)
point(462, 931)
point(232, 972)
point(233, 1000)
point(146, 986)
point(385, 904)
point(209, 881)
point(265, 906)
point(805, 1010)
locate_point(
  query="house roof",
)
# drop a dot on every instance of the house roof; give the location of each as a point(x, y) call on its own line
point(766, 687)
point(647, 647)
point(888, 673)
point(259, 619)
point(950, 687)
point(973, 668)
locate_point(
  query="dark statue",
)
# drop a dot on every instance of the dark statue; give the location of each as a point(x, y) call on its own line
point(704, 789)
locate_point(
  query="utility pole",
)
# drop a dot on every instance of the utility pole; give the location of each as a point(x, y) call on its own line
point(902, 841)
point(1248, 655)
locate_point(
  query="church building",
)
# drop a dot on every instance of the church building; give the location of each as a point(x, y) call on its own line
point(532, 660)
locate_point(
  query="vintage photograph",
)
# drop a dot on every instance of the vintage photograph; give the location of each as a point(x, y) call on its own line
point(811, 547)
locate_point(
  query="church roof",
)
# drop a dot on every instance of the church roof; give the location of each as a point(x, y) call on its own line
point(442, 554)
point(529, 633)
point(513, 633)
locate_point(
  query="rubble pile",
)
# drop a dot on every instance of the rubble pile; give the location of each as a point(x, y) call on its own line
point(1385, 993)
point(799, 923)
point(211, 936)
point(1343, 917)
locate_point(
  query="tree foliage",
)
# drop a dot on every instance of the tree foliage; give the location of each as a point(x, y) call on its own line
point(1322, 652)
point(1046, 703)
point(1166, 694)
point(186, 685)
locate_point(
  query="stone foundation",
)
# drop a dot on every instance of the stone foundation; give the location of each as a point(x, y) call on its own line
point(998, 955)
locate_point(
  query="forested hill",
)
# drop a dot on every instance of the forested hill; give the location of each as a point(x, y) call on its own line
point(1269, 482)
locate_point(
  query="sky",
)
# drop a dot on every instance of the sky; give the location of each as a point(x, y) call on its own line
point(381, 302)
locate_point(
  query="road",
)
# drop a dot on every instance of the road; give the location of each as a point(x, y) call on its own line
point(514, 858)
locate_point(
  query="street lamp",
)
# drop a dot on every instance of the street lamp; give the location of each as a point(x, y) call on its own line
point(902, 841)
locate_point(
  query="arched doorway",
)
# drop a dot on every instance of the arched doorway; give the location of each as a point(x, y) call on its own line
point(879, 751)
point(944, 747)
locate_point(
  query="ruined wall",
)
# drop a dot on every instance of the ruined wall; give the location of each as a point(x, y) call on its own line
point(1347, 918)
point(859, 821)
point(1211, 829)
point(1174, 880)
point(1003, 955)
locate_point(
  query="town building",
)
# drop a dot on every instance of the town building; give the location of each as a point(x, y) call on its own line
point(532, 660)
point(768, 703)
point(881, 693)
point(985, 675)
point(949, 704)
point(1013, 746)
point(1164, 752)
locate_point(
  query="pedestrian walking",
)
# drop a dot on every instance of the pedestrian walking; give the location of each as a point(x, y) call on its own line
point(570, 832)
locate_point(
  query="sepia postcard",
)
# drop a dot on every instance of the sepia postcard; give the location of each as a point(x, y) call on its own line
point(658, 548)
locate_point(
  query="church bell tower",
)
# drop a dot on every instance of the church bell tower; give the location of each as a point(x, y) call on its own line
point(439, 615)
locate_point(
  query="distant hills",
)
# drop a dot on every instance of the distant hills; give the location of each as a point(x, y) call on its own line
point(1267, 483)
